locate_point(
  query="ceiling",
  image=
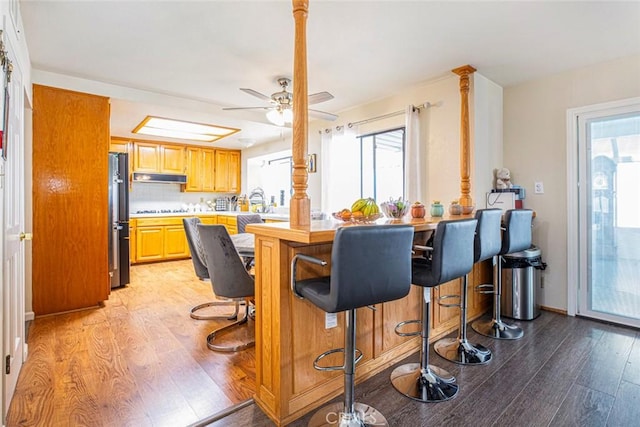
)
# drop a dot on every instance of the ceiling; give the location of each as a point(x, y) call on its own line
point(360, 51)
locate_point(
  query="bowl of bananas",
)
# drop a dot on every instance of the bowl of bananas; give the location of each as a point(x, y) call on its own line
point(362, 211)
point(395, 209)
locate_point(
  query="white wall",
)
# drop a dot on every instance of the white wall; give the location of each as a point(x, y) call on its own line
point(535, 150)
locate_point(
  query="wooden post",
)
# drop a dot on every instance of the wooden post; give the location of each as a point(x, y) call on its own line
point(300, 212)
point(465, 145)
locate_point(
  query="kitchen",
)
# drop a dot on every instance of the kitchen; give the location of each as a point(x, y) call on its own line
point(438, 161)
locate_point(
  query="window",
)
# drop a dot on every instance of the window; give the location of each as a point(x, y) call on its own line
point(382, 165)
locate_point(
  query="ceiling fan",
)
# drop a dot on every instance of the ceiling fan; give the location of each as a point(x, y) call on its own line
point(279, 112)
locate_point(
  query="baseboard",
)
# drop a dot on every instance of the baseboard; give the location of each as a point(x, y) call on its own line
point(553, 310)
point(29, 315)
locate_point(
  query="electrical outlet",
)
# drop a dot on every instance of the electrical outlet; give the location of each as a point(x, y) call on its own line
point(538, 187)
point(330, 320)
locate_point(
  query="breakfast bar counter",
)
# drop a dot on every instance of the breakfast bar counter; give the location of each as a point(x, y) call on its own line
point(291, 333)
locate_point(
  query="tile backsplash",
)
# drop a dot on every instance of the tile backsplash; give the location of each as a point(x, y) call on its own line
point(158, 196)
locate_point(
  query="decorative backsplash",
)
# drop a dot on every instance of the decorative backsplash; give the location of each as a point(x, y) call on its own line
point(156, 196)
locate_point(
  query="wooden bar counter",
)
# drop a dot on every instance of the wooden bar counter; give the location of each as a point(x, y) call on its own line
point(291, 333)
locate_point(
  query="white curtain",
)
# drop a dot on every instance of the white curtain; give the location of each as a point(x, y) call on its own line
point(415, 174)
point(340, 168)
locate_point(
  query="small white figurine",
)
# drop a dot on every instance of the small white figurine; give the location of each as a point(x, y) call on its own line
point(503, 179)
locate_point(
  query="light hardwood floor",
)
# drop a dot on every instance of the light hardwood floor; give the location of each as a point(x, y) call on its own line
point(138, 361)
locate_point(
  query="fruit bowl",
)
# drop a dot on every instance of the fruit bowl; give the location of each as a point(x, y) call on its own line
point(355, 218)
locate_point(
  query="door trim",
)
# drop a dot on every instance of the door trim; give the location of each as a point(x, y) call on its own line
point(575, 258)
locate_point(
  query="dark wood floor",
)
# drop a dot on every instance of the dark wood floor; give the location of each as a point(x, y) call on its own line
point(142, 361)
point(565, 372)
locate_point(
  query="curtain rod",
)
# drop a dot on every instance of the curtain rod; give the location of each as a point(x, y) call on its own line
point(425, 104)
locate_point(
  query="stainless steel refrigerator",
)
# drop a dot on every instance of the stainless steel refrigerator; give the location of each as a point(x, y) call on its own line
point(118, 219)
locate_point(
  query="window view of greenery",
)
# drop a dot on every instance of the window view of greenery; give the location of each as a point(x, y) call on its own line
point(382, 165)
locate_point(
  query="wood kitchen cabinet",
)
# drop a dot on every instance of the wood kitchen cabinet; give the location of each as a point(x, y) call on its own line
point(227, 171)
point(132, 240)
point(158, 158)
point(230, 222)
point(120, 145)
point(200, 169)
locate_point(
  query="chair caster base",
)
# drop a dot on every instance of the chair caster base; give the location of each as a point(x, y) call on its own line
point(498, 330)
point(462, 352)
point(434, 385)
point(333, 415)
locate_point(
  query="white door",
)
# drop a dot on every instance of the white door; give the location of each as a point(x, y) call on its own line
point(13, 224)
point(609, 205)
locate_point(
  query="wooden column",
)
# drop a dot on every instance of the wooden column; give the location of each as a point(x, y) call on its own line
point(300, 212)
point(465, 145)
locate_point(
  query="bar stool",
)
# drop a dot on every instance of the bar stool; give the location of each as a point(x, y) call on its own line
point(486, 245)
point(451, 258)
point(516, 237)
point(369, 265)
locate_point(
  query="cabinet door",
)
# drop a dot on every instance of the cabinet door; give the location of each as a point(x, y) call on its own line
point(172, 159)
point(149, 243)
point(146, 157)
point(445, 317)
point(208, 166)
point(234, 172)
point(194, 169)
point(119, 145)
point(175, 242)
point(222, 171)
point(132, 245)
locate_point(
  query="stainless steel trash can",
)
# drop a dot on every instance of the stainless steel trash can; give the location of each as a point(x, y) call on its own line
point(520, 284)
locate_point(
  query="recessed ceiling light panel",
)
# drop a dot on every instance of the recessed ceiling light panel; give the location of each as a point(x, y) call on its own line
point(170, 128)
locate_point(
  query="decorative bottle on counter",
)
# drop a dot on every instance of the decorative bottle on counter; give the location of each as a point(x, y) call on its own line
point(455, 208)
point(437, 210)
point(418, 210)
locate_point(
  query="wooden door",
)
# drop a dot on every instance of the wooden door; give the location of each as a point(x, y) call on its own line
point(150, 243)
point(146, 157)
point(172, 159)
point(208, 166)
point(222, 171)
point(70, 200)
point(234, 172)
point(175, 242)
point(194, 169)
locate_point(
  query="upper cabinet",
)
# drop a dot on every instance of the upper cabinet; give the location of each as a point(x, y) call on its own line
point(200, 169)
point(120, 145)
point(158, 158)
point(227, 168)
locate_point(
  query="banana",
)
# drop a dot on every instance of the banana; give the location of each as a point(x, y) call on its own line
point(366, 211)
point(358, 205)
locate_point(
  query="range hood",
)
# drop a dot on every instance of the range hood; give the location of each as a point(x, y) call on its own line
point(159, 177)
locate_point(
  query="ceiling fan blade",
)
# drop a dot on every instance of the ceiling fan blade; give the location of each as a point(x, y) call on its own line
point(322, 115)
point(255, 93)
point(248, 108)
point(316, 98)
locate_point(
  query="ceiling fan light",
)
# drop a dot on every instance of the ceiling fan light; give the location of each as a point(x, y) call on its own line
point(287, 115)
point(275, 117)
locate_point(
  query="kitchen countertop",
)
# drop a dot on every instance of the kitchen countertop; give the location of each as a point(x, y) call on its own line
point(274, 216)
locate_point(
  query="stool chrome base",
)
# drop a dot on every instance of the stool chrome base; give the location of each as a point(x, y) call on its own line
point(497, 329)
point(462, 351)
point(333, 415)
point(432, 385)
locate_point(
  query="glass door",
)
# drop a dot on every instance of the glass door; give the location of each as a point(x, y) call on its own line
point(609, 166)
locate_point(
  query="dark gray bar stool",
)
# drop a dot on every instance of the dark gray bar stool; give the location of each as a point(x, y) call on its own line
point(486, 245)
point(369, 265)
point(451, 258)
point(516, 237)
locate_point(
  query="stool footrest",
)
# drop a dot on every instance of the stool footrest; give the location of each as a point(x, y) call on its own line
point(445, 297)
point(486, 288)
point(408, 334)
point(336, 367)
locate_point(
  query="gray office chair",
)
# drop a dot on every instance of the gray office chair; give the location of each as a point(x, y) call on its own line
point(200, 267)
point(487, 244)
point(229, 278)
point(369, 265)
point(451, 258)
point(516, 237)
point(244, 219)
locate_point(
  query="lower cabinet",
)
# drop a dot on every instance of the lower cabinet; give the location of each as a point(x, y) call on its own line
point(161, 239)
point(230, 222)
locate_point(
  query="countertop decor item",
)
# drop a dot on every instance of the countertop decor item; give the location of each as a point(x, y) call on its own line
point(395, 208)
point(466, 210)
point(418, 210)
point(455, 208)
point(437, 210)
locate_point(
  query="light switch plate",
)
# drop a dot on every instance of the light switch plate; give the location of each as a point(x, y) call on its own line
point(538, 187)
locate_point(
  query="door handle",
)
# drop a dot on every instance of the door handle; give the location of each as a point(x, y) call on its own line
point(25, 236)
